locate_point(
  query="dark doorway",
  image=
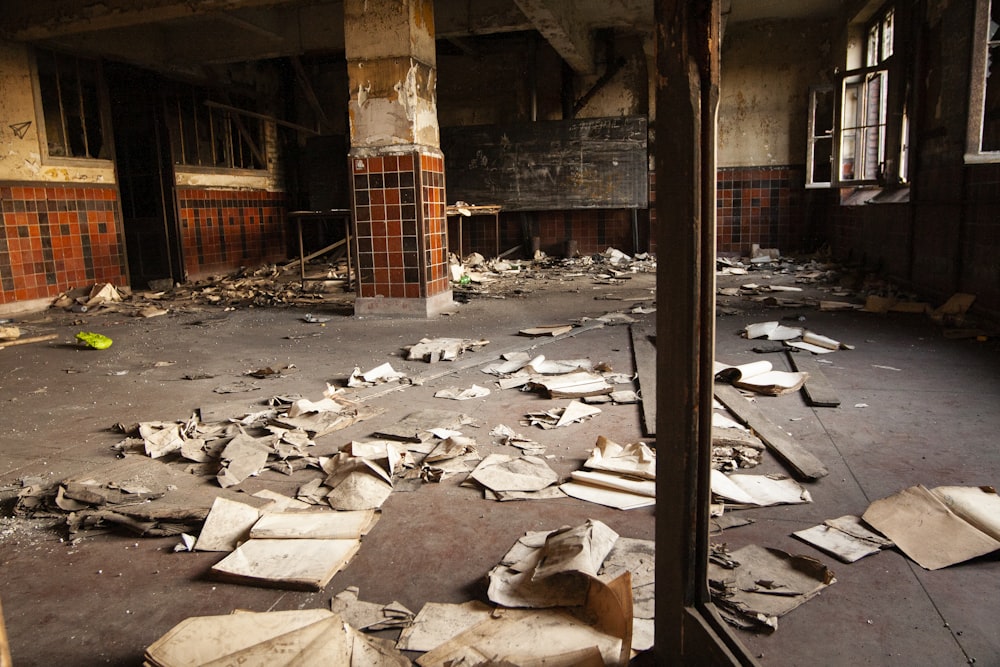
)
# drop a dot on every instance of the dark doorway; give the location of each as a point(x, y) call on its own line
point(145, 176)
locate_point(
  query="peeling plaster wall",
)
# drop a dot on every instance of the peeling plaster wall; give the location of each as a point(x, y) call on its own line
point(403, 113)
point(766, 71)
point(21, 157)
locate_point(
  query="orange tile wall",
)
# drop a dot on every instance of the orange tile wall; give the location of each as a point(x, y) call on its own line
point(57, 237)
point(223, 230)
point(401, 233)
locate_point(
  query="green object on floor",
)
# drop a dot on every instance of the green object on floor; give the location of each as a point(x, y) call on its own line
point(94, 340)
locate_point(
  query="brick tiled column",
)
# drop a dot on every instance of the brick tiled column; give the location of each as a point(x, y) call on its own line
point(397, 188)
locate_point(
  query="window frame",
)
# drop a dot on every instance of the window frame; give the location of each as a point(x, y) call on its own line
point(103, 109)
point(890, 122)
point(974, 153)
point(186, 110)
point(815, 137)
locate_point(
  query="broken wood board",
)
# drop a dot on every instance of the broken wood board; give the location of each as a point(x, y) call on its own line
point(305, 564)
point(817, 390)
point(801, 461)
point(644, 357)
point(939, 527)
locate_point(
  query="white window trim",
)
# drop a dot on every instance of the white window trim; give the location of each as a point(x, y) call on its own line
point(974, 154)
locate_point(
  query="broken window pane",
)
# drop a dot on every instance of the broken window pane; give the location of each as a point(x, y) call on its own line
point(205, 133)
point(71, 106)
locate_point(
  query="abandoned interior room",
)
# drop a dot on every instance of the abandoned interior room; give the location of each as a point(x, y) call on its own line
point(507, 332)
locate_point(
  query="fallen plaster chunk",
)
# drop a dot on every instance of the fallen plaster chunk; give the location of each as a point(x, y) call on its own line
point(760, 377)
point(758, 490)
point(939, 527)
point(276, 639)
point(758, 585)
point(846, 538)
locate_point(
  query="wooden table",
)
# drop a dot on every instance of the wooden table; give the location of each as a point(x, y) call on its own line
point(323, 216)
point(469, 210)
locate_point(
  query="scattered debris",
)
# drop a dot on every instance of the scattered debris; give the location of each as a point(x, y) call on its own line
point(369, 616)
point(433, 350)
point(475, 391)
point(616, 476)
point(575, 411)
point(547, 330)
point(757, 490)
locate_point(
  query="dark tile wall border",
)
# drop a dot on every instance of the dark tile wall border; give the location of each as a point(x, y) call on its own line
point(56, 237)
point(223, 230)
point(762, 205)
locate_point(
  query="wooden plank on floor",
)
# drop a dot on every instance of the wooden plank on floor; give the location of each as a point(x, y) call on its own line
point(817, 389)
point(644, 354)
point(799, 459)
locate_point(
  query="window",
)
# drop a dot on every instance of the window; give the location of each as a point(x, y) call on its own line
point(872, 149)
point(819, 147)
point(983, 140)
point(206, 133)
point(73, 118)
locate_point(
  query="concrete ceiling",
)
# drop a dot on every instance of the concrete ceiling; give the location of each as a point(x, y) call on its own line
point(183, 36)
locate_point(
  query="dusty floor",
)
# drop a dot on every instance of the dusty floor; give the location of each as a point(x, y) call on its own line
point(931, 418)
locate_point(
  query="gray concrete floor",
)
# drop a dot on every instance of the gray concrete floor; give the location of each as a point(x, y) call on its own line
point(103, 599)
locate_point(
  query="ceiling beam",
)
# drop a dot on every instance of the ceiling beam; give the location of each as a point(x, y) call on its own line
point(29, 21)
point(570, 38)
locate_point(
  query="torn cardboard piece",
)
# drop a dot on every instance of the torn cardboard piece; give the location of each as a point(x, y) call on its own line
point(845, 538)
point(939, 527)
point(761, 584)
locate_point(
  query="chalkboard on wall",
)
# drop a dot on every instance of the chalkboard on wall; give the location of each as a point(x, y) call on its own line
point(549, 165)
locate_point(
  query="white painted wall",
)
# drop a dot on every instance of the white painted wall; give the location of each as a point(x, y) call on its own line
point(766, 71)
point(21, 158)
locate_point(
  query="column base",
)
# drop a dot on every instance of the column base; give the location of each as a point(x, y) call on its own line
point(380, 306)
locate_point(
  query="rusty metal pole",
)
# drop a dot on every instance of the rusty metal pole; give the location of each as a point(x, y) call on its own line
point(688, 631)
